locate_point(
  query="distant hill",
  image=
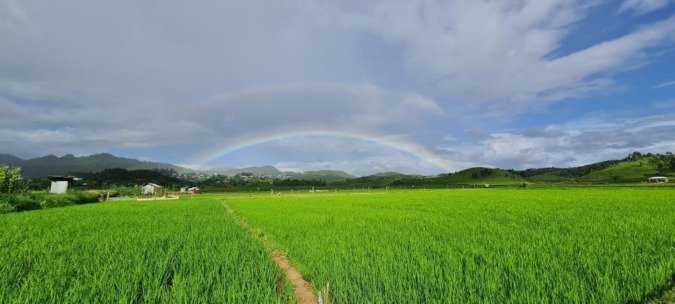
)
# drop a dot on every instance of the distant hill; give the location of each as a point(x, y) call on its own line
point(471, 176)
point(268, 171)
point(273, 172)
point(376, 180)
point(634, 168)
point(627, 171)
point(123, 177)
point(53, 165)
point(12, 160)
point(328, 176)
point(479, 175)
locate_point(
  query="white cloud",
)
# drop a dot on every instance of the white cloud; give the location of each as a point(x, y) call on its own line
point(503, 53)
point(664, 85)
point(575, 143)
point(640, 7)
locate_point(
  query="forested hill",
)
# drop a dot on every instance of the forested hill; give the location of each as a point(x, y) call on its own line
point(54, 165)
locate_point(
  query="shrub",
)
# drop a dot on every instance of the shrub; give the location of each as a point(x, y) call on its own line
point(6, 208)
point(124, 191)
point(23, 202)
point(52, 200)
point(42, 199)
point(81, 197)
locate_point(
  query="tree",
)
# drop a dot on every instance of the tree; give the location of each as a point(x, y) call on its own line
point(4, 174)
point(11, 180)
point(634, 155)
point(15, 180)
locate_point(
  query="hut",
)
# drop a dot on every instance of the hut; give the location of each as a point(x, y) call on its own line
point(150, 189)
point(658, 179)
point(190, 190)
point(60, 183)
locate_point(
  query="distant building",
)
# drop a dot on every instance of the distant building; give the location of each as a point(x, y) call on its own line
point(60, 183)
point(658, 179)
point(190, 190)
point(150, 188)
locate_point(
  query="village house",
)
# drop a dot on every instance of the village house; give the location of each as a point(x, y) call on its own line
point(150, 189)
point(60, 183)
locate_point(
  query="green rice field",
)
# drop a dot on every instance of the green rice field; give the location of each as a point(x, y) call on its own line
point(132, 252)
point(422, 246)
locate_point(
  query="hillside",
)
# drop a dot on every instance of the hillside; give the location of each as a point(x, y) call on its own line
point(376, 180)
point(53, 165)
point(629, 171)
point(559, 175)
point(268, 171)
point(479, 175)
point(635, 168)
point(123, 177)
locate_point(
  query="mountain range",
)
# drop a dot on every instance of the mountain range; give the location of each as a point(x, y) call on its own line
point(54, 165)
point(634, 168)
point(41, 167)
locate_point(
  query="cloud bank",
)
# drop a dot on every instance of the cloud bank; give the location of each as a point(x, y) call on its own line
point(177, 80)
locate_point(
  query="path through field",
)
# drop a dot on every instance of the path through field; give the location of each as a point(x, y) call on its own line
point(303, 291)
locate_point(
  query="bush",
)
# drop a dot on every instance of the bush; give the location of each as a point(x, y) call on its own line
point(56, 200)
point(6, 208)
point(43, 199)
point(124, 191)
point(81, 197)
point(23, 202)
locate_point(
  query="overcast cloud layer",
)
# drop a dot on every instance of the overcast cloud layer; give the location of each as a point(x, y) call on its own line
point(510, 83)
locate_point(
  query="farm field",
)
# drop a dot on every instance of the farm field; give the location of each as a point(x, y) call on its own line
point(406, 246)
point(475, 246)
point(132, 252)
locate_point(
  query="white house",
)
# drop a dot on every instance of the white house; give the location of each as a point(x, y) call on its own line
point(658, 179)
point(190, 190)
point(150, 188)
point(60, 183)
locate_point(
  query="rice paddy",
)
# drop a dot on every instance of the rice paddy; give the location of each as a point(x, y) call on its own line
point(486, 246)
point(133, 252)
point(434, 246)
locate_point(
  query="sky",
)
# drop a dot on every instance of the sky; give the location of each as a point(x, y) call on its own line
point(412, 86)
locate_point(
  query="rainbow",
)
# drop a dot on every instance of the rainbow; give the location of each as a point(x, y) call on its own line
point(410, 148)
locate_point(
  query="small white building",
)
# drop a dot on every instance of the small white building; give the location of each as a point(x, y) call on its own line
point(60, 183)
point(658, 179)
point(150, 188)
point(190, 190)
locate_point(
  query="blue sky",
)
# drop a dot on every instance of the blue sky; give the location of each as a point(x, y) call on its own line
point(411, 86)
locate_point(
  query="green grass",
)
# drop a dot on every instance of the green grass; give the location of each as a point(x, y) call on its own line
point(476, 246)
point(186, 251)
